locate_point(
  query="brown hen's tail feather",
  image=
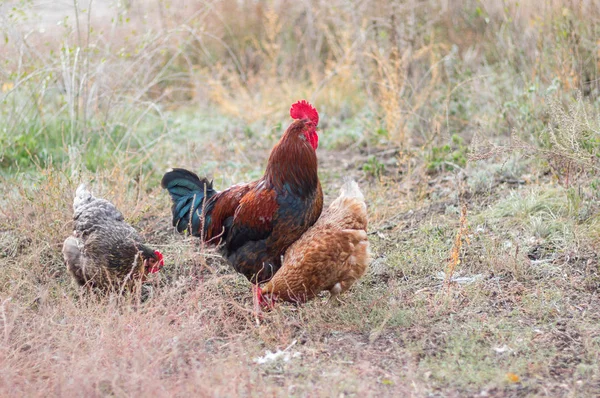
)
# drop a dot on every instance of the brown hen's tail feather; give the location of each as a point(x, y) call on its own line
point(351, 189)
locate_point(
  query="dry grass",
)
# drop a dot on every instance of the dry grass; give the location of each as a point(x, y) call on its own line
point(433, 107)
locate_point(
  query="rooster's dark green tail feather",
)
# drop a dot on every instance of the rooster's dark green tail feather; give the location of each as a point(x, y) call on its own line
point(188, 193)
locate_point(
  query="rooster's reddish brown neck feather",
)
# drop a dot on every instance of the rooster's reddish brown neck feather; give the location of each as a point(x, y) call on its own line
point(293, 163)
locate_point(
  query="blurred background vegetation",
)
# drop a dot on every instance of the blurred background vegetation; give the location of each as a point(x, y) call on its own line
point(102, 82)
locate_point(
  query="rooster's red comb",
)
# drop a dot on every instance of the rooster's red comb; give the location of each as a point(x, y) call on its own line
point(304, 110)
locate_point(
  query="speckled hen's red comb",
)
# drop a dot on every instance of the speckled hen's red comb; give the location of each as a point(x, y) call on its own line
point(160, 262)
point(304, 110)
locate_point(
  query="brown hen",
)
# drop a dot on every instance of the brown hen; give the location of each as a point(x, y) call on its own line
point(331, 255)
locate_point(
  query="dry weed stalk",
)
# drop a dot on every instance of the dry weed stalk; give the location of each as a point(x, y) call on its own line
point(461, 235)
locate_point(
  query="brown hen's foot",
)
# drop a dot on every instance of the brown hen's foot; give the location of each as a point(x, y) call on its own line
point(256, 299)
point(335, 291)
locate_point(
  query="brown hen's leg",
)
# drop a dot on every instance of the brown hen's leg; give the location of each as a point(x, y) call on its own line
point(256, 303)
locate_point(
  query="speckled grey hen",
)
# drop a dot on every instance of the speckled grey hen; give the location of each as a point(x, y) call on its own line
point(104, 251)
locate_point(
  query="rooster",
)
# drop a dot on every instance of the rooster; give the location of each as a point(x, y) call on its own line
point(254, 223)
point(331, 255)
point(104, 251)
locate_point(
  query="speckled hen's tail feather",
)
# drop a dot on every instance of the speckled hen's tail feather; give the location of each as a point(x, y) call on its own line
point(188, 193)
point(82, 196)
